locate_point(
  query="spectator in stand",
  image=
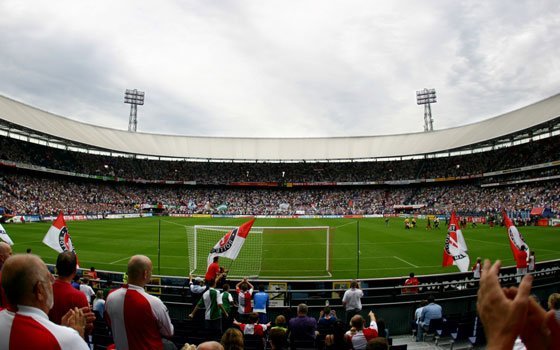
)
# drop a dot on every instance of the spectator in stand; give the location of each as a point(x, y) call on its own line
point(99, 303)
point(244, 291)
point(253, 327)
point(411, 281)
point(196, 287)
point(277, 339)
point(210, 345)
point(211, 301)
point(477, 268)
point(229, 305)
point(327, 319)
point(337, 340)
point(430, 312)
point(138, 320)
point(352, 300)
point(521, 263)
point(379, 343)
point(5, 253)
point(28, 285)
point(554, 304)
point(509, 313)
point(92, 274)
point(363, 335)
point(531, 262)
point(214, 272)
point(65, 296)
point(86, 289)
point(261, 301)
point(76, 282)
point(302, 327)
point(232, 339)
point(280, 323)
point(417, 314)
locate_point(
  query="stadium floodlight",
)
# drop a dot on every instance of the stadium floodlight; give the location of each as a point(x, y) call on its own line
point(135, 98)
point(426, 97)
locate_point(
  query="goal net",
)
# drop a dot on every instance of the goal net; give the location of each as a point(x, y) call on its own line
point(272, 252)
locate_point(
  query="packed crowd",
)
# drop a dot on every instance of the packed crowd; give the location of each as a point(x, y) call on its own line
point(220, 173)
point(29, 194)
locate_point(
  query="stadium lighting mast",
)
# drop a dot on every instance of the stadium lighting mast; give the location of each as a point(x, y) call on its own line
point(135, 98)
point(426, 97)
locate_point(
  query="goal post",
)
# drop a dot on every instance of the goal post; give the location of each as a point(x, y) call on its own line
point(271, 252)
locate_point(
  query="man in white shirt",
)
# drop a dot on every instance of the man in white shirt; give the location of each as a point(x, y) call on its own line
point(352, 300)
point(28, 285)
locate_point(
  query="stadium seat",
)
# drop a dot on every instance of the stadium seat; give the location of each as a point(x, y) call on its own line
point(435, 329)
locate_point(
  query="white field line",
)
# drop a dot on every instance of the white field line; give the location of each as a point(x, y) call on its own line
point(116, 261)
point(404, 261)
point(346, 224)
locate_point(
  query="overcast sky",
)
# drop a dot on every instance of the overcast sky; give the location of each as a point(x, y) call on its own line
point(279, 68)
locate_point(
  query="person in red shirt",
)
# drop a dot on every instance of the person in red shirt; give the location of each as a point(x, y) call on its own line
point(411, 281)
point(67, 297)
point(253, 327)
point(521, 263)
point(215, 272)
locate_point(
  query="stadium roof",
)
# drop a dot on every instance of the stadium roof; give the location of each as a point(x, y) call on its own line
point(540, 117)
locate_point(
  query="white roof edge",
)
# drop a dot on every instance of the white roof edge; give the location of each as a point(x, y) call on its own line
point(316, 148)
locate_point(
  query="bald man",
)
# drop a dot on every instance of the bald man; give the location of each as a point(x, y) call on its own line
point(28, 284)
point(138, 320)
point(5, 253)
point(210, 345)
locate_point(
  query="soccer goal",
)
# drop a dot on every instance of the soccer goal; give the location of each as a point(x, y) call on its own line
point(268, 252)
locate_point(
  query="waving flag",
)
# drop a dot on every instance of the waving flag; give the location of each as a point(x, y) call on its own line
point(4, 236)
point(57, 236)
point(455, 249)
point(230, 244)
point(516, 240)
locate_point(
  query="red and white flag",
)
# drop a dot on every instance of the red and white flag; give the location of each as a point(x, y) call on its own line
point(516, 240)
point(4, 236)
point(231, 243)
point(58, 238)
point(455, 249)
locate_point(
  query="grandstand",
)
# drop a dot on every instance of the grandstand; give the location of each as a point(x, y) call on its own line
point(50, 163)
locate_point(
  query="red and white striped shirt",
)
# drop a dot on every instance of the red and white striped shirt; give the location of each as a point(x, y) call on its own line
point(138, 319)
point(244, 301)
point(30, 328)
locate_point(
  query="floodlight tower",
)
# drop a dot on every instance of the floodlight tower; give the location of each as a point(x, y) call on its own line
point(135, 98)
point(426, 97)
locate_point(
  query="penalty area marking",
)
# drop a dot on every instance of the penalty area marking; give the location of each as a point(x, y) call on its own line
point(404, 261)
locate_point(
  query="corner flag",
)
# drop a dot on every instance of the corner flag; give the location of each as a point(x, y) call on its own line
point(4, 236)
point(58, 238)
point(455, 249)
point(231, 243)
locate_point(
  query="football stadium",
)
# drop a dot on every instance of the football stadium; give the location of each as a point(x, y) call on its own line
point(328, 211)
point(302, 175)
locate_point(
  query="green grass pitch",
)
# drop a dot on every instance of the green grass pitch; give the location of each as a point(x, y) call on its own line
point(383, 251)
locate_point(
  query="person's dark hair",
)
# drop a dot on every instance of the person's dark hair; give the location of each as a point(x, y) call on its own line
point(66, 264)
point(327, 310)
point(253, 317)
point(280, 321)
point(277, 338)
point(216, 258)
point(244, 287)
point(431, 299)
point(354, 284)
point(302, 309)
point(261, 287)
point(423, 303)
point(357, 321)
point(381, 328)
point(339, 329)
point(411, 275)
point(225, 287)
point(379, 343)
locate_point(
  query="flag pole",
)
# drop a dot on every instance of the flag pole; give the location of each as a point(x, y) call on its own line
point(357, 249)
point(159, 247)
